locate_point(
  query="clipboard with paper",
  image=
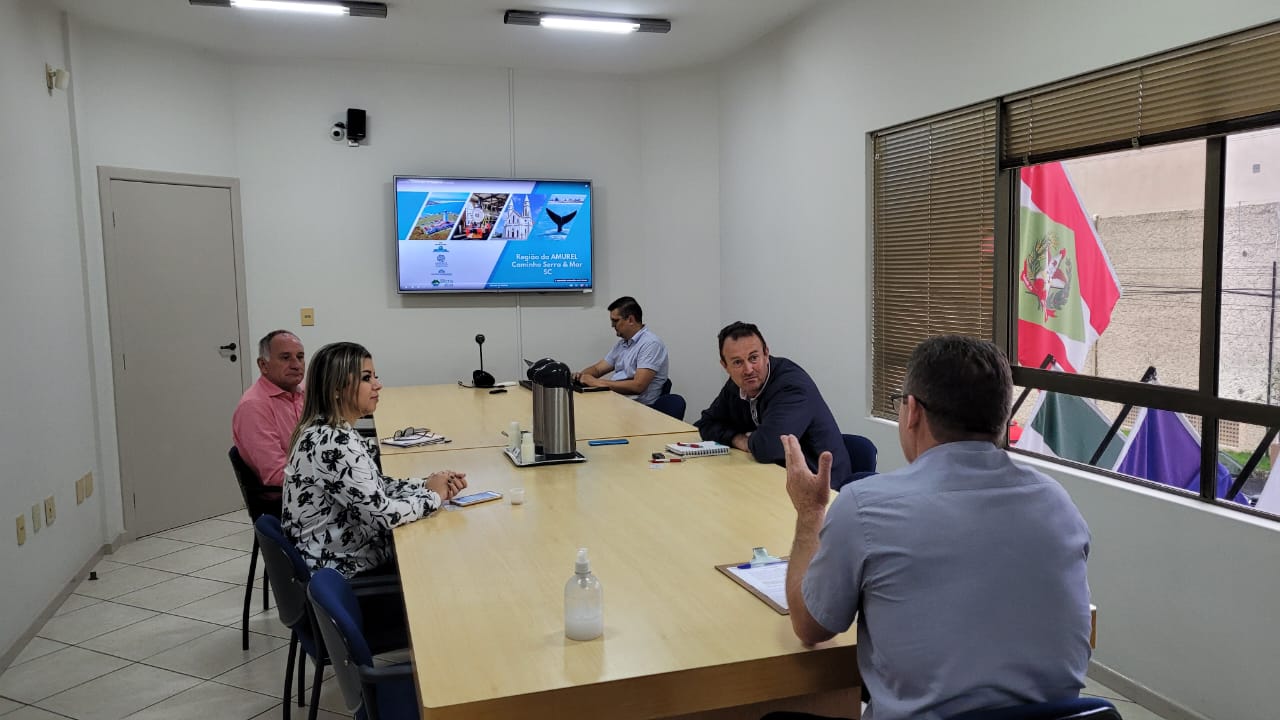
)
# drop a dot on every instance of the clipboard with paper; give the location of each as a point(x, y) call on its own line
point(764, 576)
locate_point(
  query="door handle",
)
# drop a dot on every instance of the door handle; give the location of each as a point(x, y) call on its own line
point(228, 351)
point(228, 346)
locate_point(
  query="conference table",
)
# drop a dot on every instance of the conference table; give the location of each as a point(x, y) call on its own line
point(473, 418)
point(484, 585)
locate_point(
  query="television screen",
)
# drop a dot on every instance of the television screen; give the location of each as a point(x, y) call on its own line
point(478, 234)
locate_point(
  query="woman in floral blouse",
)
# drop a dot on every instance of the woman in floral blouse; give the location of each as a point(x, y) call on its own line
point(338, 508)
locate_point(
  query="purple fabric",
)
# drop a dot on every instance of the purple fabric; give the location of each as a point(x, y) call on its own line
point(1164, 449)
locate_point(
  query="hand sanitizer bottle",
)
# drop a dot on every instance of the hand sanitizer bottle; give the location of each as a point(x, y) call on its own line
point(583, 602)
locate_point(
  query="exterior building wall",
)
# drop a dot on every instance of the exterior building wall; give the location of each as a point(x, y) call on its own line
point(1157, 257)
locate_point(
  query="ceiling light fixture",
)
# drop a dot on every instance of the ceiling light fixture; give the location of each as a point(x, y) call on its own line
point(311, 7)
point(589, 23)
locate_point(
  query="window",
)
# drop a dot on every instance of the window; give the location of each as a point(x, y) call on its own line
point(1129, 267)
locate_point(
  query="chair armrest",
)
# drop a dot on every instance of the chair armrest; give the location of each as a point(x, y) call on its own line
point(385, 672)
point(379, 583)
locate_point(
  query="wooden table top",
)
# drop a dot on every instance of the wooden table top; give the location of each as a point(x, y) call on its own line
point(473, 418)
point(484, 587)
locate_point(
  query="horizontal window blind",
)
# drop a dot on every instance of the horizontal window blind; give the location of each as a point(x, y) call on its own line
point(1200, 90)
point(933, 210)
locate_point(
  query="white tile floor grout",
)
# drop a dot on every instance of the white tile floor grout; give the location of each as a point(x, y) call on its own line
point(157, 637)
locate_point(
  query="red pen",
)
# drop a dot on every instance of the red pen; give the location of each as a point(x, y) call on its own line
point(667, 460)
point(692, 445)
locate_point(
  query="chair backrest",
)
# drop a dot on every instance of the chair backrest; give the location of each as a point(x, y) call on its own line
point(862, 453)
point(862, 460)
point(259, 499)
point(672, 405)
point(1082, 708)
point(666, 387)
point(342, 628)
point(288, 572)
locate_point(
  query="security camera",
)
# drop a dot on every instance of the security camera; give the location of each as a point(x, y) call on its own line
point(338, 131)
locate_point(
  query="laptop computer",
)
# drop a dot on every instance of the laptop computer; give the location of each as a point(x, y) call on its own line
point(577, 386)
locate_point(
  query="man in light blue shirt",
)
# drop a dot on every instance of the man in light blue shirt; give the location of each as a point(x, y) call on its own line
point(637, 364)
point(965, 572)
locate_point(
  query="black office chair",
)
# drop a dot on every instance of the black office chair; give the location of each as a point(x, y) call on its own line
point(259, 500)
point(673, 405)
point(862, 460)
point(1083, 708)
point(370, 693)
point(666, 387)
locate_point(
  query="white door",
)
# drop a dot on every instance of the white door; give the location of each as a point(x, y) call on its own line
point(177, 348)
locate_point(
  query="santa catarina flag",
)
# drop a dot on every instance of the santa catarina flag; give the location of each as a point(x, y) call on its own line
point(1066, 286)
point(1069, 427)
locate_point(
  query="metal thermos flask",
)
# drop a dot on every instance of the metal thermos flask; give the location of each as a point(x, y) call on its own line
point(553, 426)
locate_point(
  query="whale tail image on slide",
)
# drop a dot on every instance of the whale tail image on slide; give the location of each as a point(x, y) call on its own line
point(561, 220)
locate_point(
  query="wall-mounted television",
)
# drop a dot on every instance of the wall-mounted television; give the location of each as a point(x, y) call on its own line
point(492, 235)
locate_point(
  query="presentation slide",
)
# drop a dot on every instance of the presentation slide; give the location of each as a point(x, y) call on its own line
point(472, 234)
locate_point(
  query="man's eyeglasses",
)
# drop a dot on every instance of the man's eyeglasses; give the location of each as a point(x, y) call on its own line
point(410, 432)
point(898, 398)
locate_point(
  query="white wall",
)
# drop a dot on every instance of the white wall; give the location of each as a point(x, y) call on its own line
point(47, 434)
point(1182, 589)
point(150, 107)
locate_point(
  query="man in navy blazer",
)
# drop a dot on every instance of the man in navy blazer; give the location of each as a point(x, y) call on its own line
point(765, 398)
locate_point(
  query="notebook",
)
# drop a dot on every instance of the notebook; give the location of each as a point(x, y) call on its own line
point(705, 447)
point(429, 438)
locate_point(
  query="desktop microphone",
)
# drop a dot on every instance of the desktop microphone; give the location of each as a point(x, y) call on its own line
point(480, 378)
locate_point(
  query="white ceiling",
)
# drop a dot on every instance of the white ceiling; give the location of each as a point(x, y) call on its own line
point(469, 32)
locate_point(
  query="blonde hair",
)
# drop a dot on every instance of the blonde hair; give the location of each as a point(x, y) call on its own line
point(332, 380)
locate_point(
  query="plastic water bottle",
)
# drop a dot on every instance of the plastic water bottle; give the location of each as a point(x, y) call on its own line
point(583, 602)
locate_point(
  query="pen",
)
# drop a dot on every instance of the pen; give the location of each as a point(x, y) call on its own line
point(692, 445)
point(613, 441)
point(667, 460)
point(748, 566)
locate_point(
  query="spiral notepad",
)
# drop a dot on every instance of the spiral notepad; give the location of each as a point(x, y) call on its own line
point(706, 447)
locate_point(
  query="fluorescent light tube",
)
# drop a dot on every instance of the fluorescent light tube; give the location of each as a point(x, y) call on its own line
point(619, 27)
point(313, 8)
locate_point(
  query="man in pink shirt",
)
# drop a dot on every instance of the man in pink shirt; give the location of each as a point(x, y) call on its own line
point(269, 410)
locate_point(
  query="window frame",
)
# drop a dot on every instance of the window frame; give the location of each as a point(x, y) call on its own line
point(1203, 401)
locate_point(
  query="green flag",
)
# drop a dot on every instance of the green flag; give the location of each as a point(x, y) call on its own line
point(1069, 427)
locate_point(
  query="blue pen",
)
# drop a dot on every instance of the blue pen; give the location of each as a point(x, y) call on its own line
point(614, 441)
point(748, 566)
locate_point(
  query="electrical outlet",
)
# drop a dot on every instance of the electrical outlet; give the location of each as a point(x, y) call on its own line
point(22, 529)
point(308, 316)
point(37, 514)
point(50, 511)
point(80, 491)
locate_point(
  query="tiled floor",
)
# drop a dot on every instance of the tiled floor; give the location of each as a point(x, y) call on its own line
point(157, 637)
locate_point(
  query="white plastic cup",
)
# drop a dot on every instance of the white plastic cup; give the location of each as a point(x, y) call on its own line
point(527, 449)
point(513, 435)
point(516, 496)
